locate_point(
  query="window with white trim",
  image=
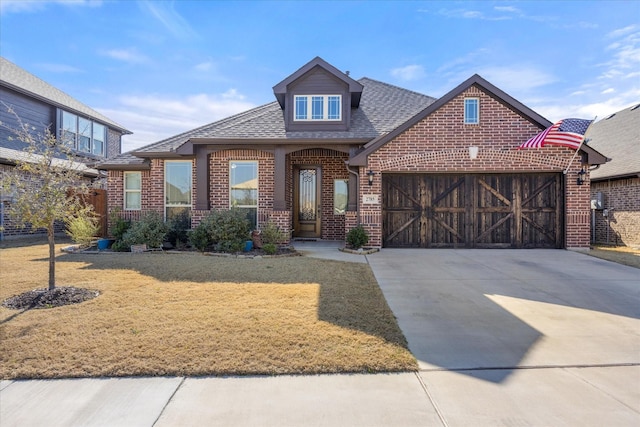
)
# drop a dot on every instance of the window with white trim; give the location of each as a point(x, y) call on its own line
point(82, 134)
point(132, 191)
point(177, 187)
point(318, 107)
point(471, 111)
point(243, 188)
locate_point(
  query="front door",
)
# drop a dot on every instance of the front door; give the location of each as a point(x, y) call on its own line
point(306, 204)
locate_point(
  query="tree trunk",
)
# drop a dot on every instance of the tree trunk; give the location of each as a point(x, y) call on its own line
point(52, 256)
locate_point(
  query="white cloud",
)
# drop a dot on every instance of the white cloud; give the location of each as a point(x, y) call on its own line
point(204, 66)
point(517, 78)
point(130, 55)
point(598, 110)
point(165, 13)
point(608, 90)
point(470, 14)
point(153, 118)
point(507, 9)
point(410, 72)
point(30, 6)
point(623, 31)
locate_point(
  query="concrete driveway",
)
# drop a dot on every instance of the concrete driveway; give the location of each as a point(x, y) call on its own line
point(545, 337)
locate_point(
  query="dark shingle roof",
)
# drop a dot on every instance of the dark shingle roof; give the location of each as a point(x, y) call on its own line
point(21, 80)
point(617, 137)
point(383, 107)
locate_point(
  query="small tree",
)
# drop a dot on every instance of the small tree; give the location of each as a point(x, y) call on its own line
point(41, 184)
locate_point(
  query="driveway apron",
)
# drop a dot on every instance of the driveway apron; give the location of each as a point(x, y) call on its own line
point(469, 309)
point(519, 337)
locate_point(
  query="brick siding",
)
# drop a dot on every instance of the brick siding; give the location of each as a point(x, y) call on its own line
point(621, 199)
point(331, 162)
point(439, 144)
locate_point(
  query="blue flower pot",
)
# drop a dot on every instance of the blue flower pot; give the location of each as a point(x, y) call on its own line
point(104, 244)
point(248, 246)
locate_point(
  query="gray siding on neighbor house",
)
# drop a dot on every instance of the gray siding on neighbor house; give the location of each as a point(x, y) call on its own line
point(318, 82)
point(114, 143)
point(30, 111)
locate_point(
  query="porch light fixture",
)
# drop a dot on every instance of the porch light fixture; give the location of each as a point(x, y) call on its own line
point(473, 152)
point(581, 175)
point(370, 175)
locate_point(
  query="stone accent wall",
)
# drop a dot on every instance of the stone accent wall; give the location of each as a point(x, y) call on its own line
point(439, 144)
point(621, 199)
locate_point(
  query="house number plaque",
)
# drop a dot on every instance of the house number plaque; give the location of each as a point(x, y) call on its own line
point(370, 199)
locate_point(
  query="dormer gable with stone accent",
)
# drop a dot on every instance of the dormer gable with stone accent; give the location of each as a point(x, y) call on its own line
point(318, 97)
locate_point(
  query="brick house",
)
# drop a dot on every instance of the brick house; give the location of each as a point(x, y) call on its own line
point(615, 186)
point(332, 152)
point(93, 136)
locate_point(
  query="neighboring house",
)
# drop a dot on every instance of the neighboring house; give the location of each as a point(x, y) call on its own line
point(36, 103)
point(332, 152)
point(615, 186)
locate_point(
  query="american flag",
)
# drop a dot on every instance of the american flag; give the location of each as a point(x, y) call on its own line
point(565, 133)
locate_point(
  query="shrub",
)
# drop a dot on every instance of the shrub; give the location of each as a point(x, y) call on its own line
point(357, 237)
point(270, 248)
point(226, 230)
point(199, 237)
point(178, 228)
point(83, 229)
point(119, 226)
point(149, 230)
point(270, 233)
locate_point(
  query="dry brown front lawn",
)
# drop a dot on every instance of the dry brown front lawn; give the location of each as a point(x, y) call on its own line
point(190, 314)
point(620, 254)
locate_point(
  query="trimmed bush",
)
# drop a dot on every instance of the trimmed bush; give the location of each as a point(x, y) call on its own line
point(357, 237)
point(150, 230)
point(270, 248)
point(199, 237)
point(118, 229)
point(178, 229)
point(270, 233)
point(223, 230)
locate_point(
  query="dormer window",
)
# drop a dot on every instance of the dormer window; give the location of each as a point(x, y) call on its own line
point(318, 107)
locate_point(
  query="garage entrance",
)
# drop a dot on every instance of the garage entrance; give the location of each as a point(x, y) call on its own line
point(472, 210)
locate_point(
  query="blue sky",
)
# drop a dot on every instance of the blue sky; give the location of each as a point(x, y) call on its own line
point(162, 67)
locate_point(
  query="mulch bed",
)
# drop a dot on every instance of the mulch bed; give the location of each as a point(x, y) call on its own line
point(44, 298)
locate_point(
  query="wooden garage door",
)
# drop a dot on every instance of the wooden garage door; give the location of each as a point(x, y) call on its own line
point(472, 211)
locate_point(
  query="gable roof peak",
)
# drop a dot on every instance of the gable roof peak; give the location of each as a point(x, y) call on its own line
point(360, 159)
point(281, 88)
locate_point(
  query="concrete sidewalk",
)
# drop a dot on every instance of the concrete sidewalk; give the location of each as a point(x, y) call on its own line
point(503, 338)
point(545, 397)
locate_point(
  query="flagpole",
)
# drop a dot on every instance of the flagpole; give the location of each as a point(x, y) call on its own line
point(579, 146)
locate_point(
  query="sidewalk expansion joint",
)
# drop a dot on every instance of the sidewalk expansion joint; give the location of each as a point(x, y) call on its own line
point(432, 400)
point(169, 401)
